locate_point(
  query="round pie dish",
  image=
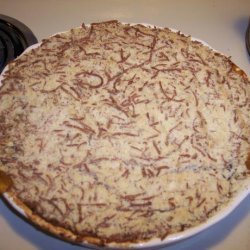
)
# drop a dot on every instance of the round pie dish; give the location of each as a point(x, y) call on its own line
point(143, 75)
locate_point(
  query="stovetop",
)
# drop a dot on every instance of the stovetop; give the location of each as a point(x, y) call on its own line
point(15, 37)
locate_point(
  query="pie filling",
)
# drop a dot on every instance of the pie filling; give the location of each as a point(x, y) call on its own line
point(124, 132)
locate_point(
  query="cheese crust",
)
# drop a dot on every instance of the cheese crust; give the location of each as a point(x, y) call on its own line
point(123, 133)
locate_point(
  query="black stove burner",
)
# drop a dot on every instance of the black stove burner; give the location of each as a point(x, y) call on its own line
point(15, 37)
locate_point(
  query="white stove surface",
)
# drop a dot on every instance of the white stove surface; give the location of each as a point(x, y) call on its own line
point(222, 24)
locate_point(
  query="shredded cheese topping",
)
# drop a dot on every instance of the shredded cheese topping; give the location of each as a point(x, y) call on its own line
point(124, 133)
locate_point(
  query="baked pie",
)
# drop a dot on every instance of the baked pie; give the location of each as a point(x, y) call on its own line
point(115, 133)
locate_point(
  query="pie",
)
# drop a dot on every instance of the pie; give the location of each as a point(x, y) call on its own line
point(115, 133)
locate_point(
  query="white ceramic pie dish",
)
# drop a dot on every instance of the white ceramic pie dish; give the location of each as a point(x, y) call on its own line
point(172, 238)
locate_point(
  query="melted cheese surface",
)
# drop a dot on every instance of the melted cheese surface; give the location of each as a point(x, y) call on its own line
point(124, 133)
